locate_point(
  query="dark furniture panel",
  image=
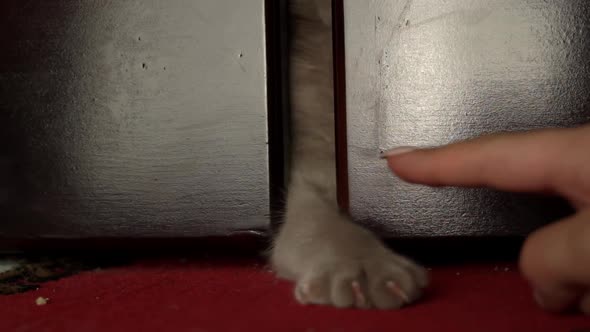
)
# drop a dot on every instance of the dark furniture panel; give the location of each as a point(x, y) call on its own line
point(424, 73)
point(132, 119)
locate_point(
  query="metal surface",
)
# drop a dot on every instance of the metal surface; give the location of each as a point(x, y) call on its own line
point(133, 118)
point(429, 72)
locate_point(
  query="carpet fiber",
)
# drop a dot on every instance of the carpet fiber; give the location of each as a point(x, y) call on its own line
point(22, 274)
point(224, 295)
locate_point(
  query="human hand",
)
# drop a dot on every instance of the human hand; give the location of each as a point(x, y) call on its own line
point(555, 259)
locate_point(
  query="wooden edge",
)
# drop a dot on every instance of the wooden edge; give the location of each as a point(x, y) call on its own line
point(247, 243)
point(340, 104)
point(277, 58)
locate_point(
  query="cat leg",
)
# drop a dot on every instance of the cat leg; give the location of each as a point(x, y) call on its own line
point(336, 262)
point(332, 260)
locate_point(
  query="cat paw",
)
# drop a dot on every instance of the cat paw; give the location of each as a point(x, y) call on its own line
point(386, 281)
point(336, 262)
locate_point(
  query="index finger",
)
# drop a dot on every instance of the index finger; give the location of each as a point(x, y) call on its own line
point(539, 160)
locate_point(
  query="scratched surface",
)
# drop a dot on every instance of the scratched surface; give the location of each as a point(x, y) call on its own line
point(428, 72)
point(132, 118)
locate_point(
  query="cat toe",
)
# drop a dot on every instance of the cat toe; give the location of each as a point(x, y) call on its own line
point(382, 284)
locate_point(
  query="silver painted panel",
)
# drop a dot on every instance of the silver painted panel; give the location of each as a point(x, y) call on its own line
point(429, 72)
point(134, 118)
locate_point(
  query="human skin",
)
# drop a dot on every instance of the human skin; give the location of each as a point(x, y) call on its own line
point(555, 259)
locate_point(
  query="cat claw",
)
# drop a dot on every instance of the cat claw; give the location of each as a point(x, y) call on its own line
point(397, 291)
point(360, 299)
point(302, 293)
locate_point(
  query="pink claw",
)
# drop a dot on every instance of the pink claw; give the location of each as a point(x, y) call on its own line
point(303, 293)
point(397, 291)
point(360, 299)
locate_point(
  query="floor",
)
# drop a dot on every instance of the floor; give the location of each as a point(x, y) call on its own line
point(242, 295)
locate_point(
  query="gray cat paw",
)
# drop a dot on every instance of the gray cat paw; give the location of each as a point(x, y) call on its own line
point(386, 282)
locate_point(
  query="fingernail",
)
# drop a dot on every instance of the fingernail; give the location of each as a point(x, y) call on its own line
point(539, 298)
point(551, 301)
point(396, 151)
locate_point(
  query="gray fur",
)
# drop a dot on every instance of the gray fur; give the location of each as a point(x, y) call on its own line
point(331, 260)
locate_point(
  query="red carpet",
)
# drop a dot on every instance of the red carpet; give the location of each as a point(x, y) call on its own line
point(228, 296)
